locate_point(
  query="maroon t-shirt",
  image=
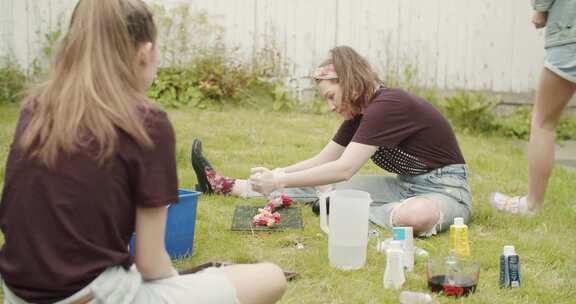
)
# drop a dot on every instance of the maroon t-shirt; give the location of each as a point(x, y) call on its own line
point(412, 136)
point(64, 227)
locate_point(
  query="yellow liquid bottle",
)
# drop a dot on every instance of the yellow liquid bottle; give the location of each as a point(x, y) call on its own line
point(459, 238)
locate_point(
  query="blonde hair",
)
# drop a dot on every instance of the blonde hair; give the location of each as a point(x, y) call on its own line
point(356, 77)
point(94, 88)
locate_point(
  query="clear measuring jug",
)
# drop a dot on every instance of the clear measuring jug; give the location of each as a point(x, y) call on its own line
point(347, 227)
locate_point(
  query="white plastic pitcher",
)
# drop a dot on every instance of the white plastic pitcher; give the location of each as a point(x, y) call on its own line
point(348, 231)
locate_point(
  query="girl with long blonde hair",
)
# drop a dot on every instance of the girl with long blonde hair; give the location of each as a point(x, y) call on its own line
point(92, 162)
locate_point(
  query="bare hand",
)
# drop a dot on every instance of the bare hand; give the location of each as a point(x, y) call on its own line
point(539, 19)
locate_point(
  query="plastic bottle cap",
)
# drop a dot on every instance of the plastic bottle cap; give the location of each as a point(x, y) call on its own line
point(458, 221)
point(509, 250)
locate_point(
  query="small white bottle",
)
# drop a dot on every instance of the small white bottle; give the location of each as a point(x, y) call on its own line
point(394, 274)
point(406, 236)
point(411, 297)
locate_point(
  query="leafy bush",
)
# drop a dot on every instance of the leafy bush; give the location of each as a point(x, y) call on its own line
point(173, 87)
point(566, 129)
point(41, 64)
point(214, 79)
point(184, 34)
point(200, 71)
point(518, 125)
point(218, 77)
point(406, 78)
point(12, 81)
point(471, 112)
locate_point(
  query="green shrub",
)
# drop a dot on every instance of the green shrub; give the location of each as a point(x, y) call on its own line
point(214, 79)
point(518, 125)
point(200, 71)
point(471, 112)
point(173, 87)
point(402, 76)
point(219, 78)
point(567, 129)
point(12, 81)
point(42, 62)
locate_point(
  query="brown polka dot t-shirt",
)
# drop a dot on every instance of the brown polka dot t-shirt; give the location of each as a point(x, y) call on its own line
point(412, 136)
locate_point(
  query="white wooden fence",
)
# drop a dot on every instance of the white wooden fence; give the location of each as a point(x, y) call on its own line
point(452, 44)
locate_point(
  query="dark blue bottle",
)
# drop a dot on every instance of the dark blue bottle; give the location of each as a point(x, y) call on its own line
point(509, 268)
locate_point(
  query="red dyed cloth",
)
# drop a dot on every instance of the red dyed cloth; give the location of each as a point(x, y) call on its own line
point(220, 184)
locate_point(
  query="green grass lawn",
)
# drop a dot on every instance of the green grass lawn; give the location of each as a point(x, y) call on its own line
point(236, 140)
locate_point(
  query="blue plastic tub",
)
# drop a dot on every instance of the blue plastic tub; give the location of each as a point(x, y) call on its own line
point(180, 225)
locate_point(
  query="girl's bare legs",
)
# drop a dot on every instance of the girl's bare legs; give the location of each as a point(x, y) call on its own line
point(257, 283)
point(553, 95)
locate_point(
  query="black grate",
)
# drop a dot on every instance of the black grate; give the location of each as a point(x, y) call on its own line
point(290, 218)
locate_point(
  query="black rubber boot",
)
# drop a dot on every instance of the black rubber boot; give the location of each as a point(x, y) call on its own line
point(316, 206)
point(200, 164)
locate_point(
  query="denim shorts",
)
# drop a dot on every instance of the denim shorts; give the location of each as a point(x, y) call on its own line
point(562, 61)
point(447, 187)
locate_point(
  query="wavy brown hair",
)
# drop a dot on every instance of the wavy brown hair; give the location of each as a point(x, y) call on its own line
point(356, 77)
point(94, 88)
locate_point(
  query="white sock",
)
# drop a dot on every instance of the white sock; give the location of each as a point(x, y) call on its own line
point(240, 188)
point(523, 205)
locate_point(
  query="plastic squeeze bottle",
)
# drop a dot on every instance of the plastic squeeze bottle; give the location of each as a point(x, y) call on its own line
point(459, 238)
point(405, 235)
point(394, 274)
point(509, 268)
